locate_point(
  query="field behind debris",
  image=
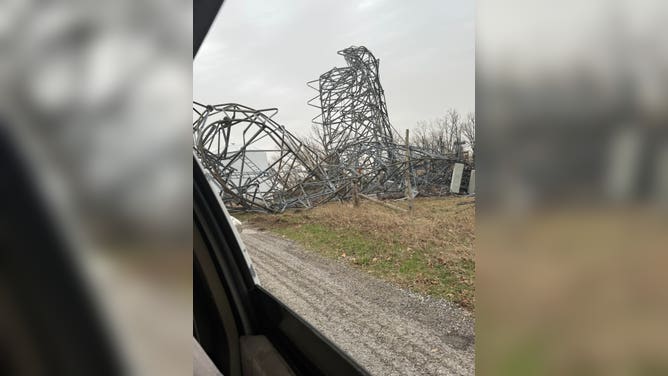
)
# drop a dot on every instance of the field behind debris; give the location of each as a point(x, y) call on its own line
point(429, 250)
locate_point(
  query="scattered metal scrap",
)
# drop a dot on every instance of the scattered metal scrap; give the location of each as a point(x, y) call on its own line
point(357, 146)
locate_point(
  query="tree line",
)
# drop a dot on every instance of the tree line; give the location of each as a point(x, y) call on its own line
point(450, 134)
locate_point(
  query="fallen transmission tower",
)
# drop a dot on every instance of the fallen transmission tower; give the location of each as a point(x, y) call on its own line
point(258, 165)
point(357, 137)
point(255, 162)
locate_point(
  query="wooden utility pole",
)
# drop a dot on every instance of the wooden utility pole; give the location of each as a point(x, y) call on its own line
point(409, 190)
point(356, 187)
point(356, 197)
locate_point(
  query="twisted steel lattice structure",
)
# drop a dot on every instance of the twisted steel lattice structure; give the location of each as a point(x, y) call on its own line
point(256, 162)
point(352, 103)
point(354, 121)
point(356, 130)
point(258, 165)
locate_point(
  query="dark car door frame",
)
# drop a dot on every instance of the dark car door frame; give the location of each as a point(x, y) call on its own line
point(257, 311)
point(38, 268)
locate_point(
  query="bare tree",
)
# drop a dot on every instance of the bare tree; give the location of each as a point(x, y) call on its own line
point(454, 139)
point(453, 121)
point(318, 136)
point(442, 135)
point(468, 131)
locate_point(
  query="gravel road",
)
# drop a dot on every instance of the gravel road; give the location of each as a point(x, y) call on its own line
point(387, 330)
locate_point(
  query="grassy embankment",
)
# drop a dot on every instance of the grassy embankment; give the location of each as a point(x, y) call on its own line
point(429, 251)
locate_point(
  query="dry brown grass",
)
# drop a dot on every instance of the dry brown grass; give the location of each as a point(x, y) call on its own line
point(429, 250)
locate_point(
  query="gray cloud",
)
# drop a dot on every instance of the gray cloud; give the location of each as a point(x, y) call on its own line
point(261, 53)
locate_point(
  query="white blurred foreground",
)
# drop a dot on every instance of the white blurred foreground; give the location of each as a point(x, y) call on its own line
point(98, 95)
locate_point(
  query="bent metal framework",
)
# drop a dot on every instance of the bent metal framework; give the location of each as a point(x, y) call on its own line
point(357, 146)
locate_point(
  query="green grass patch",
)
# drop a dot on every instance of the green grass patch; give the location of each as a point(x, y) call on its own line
point(430, 251)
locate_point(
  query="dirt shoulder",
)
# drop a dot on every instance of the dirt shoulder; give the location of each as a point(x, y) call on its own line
point(387, 330)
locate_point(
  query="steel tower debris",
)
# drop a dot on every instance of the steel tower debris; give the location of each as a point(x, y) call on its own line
point(357, 145)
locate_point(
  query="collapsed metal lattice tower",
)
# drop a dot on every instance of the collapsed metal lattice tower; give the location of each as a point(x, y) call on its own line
point(356, 130)
point(255, 162)
point(258, 165)
point(358, 139)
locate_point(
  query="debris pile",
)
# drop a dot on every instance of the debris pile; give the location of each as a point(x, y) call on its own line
point(259, 165)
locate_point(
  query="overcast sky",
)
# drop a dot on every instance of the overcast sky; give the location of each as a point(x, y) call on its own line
point(261, 53)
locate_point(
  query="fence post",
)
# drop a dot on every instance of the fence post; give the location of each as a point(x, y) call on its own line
point(356, 197)
point(409, 190)
point(356, 187)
